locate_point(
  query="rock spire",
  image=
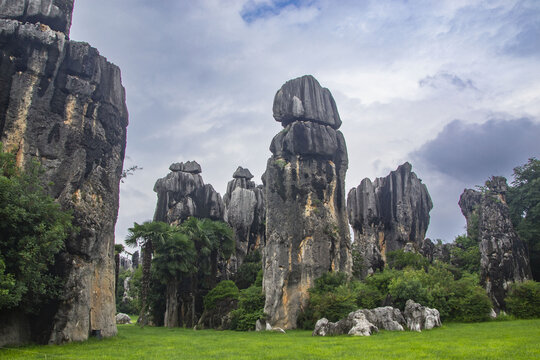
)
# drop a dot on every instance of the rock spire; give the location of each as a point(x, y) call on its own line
point(307, 233)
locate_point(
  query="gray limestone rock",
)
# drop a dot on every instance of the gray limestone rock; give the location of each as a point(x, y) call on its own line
point(242, 173)
point(122, 318)
point(387, 318)
point(420, 318)
point(182, 193)
point(303, 99)
point(245, 213)
point(387, 214)
point(504, 259)
point(55, 14)
point(63, 104)
point(307, 233)
point(356, 324)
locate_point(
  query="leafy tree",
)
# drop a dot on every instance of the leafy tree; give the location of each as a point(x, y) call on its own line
point(211, 239)
point(523, 300)
point(400, 260)
point(172, 262)
point(524, 203)
point(146, 235)
point(33, 230)
point(466, 254)
point(247, 272)
point(250, 309)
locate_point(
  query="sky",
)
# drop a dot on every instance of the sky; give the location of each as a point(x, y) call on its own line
point(452, 86)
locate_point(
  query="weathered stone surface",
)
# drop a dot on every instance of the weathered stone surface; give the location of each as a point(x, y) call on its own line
point(387, 318)
point(191, 167)
point(356, 323)
point(122, 318)
point(387, 214)
point(55, 14)
point(242, 173)
point(303, 99)
point(307, 233)
point(245, 213)
point(182, 193)
point(420, 318)
point(504, 258)
point(63, 104)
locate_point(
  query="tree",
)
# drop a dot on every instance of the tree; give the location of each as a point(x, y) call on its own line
point(174, 260)
point(118, 249)
point(33, 230)
point(210, 239)
point(524, 203)
point(146, 235)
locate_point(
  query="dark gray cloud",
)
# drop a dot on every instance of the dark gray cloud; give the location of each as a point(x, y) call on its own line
point(474, 152)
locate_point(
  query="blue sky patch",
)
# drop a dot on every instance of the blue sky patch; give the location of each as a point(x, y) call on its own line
point(255, 10)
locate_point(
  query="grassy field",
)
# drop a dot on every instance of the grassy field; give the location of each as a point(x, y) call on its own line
point(519, 339)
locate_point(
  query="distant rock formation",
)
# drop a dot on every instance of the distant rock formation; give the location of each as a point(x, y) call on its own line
point(307, 233)
point(245, 213)
point(504, 258)
point(388, 214)
point(63, 104)
point(182, 193)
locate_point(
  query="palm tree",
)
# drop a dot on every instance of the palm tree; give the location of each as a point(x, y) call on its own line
point(210, 238)
point(174, 259)
point(146, 235)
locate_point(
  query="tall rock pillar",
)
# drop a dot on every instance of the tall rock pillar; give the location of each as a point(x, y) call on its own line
point(63, 104)
point(504, 259)
point(307, 233)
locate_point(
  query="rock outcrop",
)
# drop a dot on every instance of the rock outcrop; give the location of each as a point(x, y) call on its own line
point(504, 259)
point(387, 214)
point(182, 193)
point(420, 318)
point(307, 233)
point(122, 318)
point(63, 104)
point(245, 213)
point(365, 322)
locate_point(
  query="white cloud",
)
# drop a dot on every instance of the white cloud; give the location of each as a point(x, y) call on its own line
point(200, 80)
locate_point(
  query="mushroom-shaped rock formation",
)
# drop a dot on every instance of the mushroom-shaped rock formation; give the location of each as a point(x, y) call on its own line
point(504, 258)
point(182, 193)
point(307, 233)
point(245, 213)
point(388, 214)
point(63, 104)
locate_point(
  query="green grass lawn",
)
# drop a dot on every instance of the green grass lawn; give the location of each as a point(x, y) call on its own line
point(518, 339)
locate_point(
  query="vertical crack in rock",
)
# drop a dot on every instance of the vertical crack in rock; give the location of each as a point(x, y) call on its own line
point(388, 214)
point(63, 104)
point(307, 233)
point(504, 258)
point(245, 213)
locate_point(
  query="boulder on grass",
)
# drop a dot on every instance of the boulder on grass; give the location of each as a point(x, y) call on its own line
point(122, 318)
point(419, 317)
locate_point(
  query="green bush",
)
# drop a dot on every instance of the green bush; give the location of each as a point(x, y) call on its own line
point(250, 309)
point(523, 300)
point(226, 289)
point(400, 260)
point(247, 272)
point(409, 286)
point(367, 296)
point(329, 282)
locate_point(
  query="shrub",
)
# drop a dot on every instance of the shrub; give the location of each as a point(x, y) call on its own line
point(250, 309)
point(523, 300)
point(367, 296)
point(400, 260)
point(226, 289)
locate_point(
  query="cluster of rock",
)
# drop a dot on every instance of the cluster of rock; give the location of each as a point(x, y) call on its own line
point(504, 258)
point(245, 213)
point(307, 232)
point(366, 322)
point(63, 104)
point(388, 214)
point(183, 193)
point(122, 318)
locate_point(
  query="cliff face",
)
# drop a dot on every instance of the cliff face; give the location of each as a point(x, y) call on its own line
point(307, 233)
point(245, 213)
point(504, 259)
point(63, 104)
point(182, 193)
point(387, 214)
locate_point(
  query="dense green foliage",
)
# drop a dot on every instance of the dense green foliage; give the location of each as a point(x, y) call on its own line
point(491, 340)
point(400, 259)
point(523, 300)
point(524, 203)
point(465, 255)
point(225, 289)
point(250, 309)
point(131, 303)
point(247, 272)
point(33, 229)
